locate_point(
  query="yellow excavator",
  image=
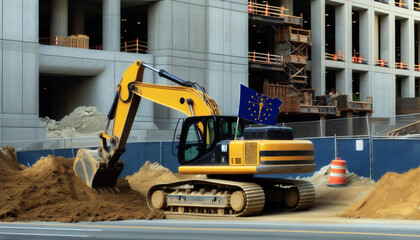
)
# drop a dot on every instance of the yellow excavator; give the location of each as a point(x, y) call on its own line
point(221, 147)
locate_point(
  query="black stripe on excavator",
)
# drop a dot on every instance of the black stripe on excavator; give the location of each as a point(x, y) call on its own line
point(286, 162)
point(285, 153)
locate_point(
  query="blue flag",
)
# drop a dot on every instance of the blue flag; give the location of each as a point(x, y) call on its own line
point(258, 108)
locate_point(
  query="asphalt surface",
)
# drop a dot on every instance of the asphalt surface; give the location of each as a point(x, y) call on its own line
point(205, 229)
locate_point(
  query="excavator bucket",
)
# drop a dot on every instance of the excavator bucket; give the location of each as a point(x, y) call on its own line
point(95, 172)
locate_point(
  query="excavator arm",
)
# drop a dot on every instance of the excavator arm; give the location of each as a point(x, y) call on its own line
point(100, 168)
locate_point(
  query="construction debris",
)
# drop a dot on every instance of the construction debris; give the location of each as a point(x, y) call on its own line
point(410, 129)
point(50, 191)
point(82, 122)
point(394, 196)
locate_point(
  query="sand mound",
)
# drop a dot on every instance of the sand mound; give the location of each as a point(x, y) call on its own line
point(149, 175)
point(336, 199)
point(82, 122)
point(49, 191)
point(394, 196)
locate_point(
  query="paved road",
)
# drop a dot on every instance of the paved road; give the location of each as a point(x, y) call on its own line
point(204, 229)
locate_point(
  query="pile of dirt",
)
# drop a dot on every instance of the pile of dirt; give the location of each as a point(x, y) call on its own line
point(410, 129)
point(82, 122)
point(50, 191)
point(336, 199)
point(153, 173)
point(394, 196)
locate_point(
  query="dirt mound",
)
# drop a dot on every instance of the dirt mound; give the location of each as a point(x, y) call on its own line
point(413, 128)
point(394, 196)
point(151, 174)
point(82, 122)
point(336, 199)
point(50, 191)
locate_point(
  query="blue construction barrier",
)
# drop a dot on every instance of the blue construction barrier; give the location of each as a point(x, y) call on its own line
point(395, 155)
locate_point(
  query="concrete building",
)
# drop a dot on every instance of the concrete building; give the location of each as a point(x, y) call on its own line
point(384, 33)
point(204, 41)
point(201, 41)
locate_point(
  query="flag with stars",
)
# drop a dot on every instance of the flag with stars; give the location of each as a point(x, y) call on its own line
point(257, 107)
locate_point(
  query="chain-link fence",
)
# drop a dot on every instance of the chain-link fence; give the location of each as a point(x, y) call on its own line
point(397, 126)
point(401, 126)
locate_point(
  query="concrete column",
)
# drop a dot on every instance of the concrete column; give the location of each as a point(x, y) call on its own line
point(387, 38)
point(376, 37)
point(411, 44)
point(288, 4)
point(406, 41)
point(365, 86)
point(407, 88)
point(342, 30)
point(59, 18)
point(111, 25)
point(78, 22)
point(318, 45)
point(418, 47)
point(364, 35)
point(343, 81)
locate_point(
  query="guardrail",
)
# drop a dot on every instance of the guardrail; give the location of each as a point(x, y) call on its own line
point(73, 41)
point(416, 6)
point(401, 65)
point(400, 3)
point(358, 59)
point(134, 46)
point(267, 10)
point(265, 58)
point(381, 62)
point(335, 56)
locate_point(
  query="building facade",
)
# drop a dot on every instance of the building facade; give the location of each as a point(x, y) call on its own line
point(204, 41)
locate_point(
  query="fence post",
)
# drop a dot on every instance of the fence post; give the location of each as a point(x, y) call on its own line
point(161, 153)
point(335, 146)
point(72, 150)
point(370, 149)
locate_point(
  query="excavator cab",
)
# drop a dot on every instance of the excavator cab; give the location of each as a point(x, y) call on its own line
point(202, 137)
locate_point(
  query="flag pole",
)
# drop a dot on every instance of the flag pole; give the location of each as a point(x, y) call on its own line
point(236, 129)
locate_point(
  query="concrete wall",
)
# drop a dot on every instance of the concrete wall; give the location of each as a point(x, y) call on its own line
point(19, 70)
point(204, 42)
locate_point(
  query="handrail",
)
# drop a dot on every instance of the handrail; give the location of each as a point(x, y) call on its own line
point(401, 65)
point(358, 59)
point(417, 6)
point(265, 58)
point(267, 10)
point(134, 46)
point(381, 62)
point(335, 57)
point(400, 3)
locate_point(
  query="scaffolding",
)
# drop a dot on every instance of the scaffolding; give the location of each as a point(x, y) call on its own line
point(291, 42)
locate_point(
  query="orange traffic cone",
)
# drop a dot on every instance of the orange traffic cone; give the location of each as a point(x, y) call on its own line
point(250, 6)
point(337, 173)
point(253, 60)
point(282, 11)
point(268, 58)
point(400, 3)
point(266, 9)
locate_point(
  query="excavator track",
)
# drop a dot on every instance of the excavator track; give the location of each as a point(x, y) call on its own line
point(214, 197)
point(208, 197)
